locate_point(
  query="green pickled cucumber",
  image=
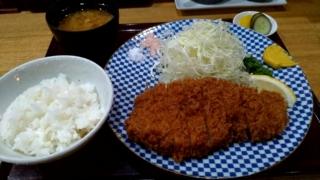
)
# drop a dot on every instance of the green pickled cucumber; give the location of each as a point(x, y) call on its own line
point(262, 24)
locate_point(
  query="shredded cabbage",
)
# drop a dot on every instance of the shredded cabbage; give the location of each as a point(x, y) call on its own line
point(204, 49)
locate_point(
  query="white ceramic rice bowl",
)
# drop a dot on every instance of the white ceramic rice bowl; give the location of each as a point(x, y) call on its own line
point(78, 70)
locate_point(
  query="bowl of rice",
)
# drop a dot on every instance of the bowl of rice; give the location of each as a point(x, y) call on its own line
point(51, 107)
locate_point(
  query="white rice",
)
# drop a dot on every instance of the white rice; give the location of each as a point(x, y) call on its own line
point(49, 117)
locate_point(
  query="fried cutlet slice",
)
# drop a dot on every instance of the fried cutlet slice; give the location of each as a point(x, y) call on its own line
point(165, 137)
point(254, 111)
point(175, 99)
point(198, 136)
point(193, 105)
point(154, 129)
point(218, 124)
point(275, 111)
point(140, 117)
point(230, 96)
point(239, 126)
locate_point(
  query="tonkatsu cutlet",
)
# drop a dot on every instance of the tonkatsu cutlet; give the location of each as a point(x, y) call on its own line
point(193, 106)
point(151, 130)
point(181, 135)
point(140, 117)
point(149, 122)
point(165, 135)
point(216, 115)
point(275, 111)
point(191, 118)
point(228, 94)
point(253, 108)
point(265, 113)
point(231, 98)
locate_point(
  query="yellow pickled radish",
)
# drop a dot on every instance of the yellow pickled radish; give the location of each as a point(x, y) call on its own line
point(277, 57)
point(245, 21)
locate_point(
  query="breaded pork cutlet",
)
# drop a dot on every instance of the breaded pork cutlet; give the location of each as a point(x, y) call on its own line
point(253, 107)
point(275, 112)
point(152, 130)
point(140, 117)
point(192, 118)
point(239, 126)
point(175, 98)
point(193, 105)
point(164, 120)
point(231, 98)
point(258, 108)
point(218, 124)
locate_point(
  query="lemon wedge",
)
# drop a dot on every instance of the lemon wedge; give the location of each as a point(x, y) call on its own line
point(272, 84)
point(276, 57)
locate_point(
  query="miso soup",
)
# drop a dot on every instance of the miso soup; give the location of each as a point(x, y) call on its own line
point(85, 20)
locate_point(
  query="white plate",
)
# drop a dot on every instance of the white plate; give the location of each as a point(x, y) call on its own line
point(236, 20)
point(191, 5)
point(129, 79)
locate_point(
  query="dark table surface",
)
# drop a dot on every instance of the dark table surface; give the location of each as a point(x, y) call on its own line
point(106, 157)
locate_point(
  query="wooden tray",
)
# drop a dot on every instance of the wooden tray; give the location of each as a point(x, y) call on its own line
point(106, 157)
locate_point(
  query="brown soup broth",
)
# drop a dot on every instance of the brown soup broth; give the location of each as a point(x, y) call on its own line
point(85, 20)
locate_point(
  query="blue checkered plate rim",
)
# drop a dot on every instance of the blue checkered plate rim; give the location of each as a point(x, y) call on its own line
point(129, 79)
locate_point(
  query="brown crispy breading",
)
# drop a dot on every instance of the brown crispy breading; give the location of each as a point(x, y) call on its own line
point(254, 110)
point(182, 144)
point(231, 98)
point(218, 123)
point(193, 105)
point(192, 118)
point(140, 117)
point(164, 119)
point(275, 111)
point(152, 129)
point(239, 127)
